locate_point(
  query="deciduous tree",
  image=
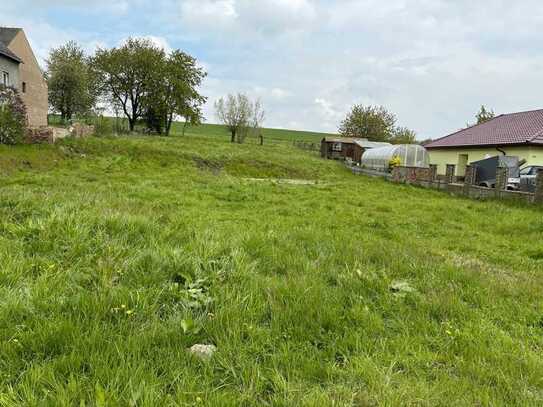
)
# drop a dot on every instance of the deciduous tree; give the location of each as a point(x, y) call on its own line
point(235, 112)
point(403, 135)
point(371, 122)
point(72, 85)
point(126, 74)
point(174, 92)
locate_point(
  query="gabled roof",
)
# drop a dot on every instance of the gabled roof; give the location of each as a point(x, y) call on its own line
point(6, 36)
point(506, 129)
point(7, 53)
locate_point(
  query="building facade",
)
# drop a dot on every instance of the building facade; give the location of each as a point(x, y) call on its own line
point(9, 68)
point(515, 134)
point(28, 78)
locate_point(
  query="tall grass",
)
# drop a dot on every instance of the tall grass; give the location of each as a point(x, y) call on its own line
point(117, 254)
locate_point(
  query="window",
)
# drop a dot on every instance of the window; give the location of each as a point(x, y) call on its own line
point(526, 171)
point(24, 87)
point(5, 78)
point(336, 147)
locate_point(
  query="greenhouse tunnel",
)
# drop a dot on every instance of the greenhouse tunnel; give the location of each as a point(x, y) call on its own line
point(406, 155)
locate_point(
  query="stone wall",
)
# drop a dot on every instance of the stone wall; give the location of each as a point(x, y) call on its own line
point(39, 135)
point(79, 130)
point(449, 173)
point(411, 174)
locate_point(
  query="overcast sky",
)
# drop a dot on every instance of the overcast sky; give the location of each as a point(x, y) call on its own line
point(431, 62)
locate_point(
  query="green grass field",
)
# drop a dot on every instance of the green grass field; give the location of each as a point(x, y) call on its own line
point(119, 254)
point(272, 135)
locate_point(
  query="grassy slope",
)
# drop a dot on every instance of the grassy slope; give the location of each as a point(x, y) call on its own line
point(116, 255)
point(271, 134)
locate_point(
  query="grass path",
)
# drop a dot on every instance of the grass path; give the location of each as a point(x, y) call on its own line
point(116, 255)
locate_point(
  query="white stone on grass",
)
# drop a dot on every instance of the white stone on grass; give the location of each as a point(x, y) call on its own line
point(401, 288)
point(203, 352)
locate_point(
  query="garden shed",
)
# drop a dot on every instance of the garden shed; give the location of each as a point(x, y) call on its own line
point(342, 148)
point(406, 155)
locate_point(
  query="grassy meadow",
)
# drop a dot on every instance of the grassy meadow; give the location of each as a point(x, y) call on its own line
point(119, 254)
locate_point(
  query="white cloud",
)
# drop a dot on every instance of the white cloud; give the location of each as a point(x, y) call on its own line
point(432, 62)
point(280, 94)
point(208, 13)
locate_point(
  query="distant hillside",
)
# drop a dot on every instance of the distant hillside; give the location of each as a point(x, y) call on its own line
point(278, 134)
point(220, 130)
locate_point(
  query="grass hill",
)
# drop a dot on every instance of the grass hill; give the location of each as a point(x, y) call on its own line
point(317, 287)
point(269, 134)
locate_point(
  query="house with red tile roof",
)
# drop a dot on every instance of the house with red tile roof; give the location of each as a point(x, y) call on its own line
point(515, 134)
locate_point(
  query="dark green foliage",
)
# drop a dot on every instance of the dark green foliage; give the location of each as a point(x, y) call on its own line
point(141, 81)
point(126, 74)
point(403, 135)
point(13, 120)
point(174, 92)
point(371, 122)
point(375, 123)
point(72, 83)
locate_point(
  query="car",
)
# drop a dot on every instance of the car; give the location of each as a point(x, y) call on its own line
point(527, 177)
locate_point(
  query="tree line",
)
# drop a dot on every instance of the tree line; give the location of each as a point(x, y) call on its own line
point(143, 83)
point(375, 123)
point(137, 79)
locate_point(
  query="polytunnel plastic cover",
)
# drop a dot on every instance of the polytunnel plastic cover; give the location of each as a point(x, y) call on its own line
point(410, 155)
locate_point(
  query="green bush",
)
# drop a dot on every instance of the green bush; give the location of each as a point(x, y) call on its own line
point(13, 121)
point(103, 126)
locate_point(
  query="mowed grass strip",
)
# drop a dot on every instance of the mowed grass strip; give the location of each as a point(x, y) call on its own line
point(119, 254)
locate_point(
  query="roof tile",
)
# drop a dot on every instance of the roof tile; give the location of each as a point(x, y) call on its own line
point(514, 128)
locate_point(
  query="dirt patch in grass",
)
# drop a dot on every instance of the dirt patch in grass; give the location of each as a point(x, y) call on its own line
point(264, 169)
point(283, 181)
point(213, 166)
